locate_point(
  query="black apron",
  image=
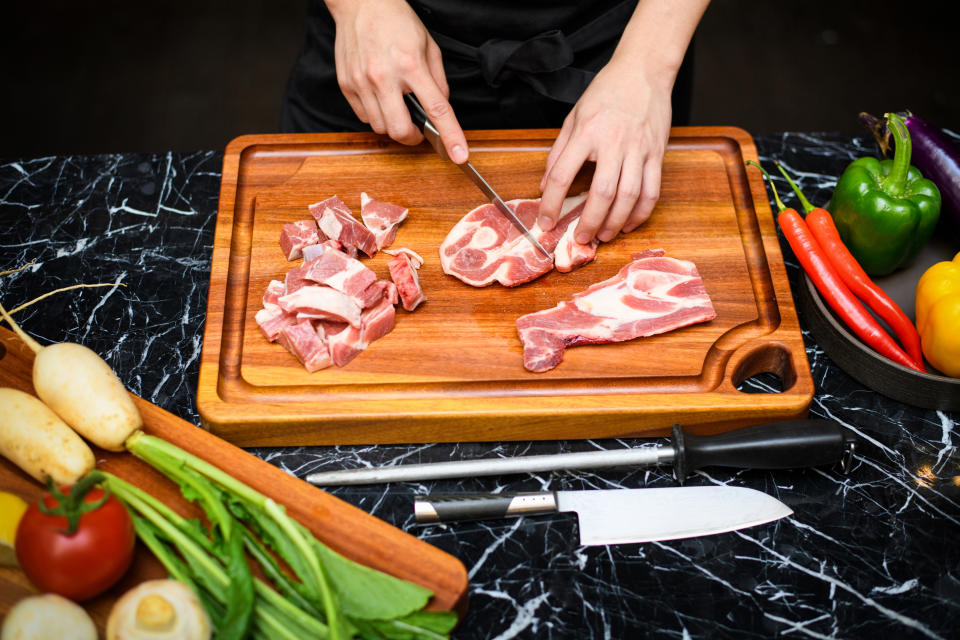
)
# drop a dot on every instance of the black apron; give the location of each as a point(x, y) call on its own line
point(509, 65)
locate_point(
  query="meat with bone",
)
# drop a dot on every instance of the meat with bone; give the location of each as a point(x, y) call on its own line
point(336, 221)
point(484, 247)
point(382, 218)
point(315, 301)
point(294, 236)
point(404, 275)
point(652, 294)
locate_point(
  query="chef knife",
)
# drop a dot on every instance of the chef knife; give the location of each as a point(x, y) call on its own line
point(618, 516)
point(777, 445)
point(430, 132)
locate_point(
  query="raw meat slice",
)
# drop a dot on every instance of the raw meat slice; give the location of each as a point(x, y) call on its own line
point(404, 275)
point(382, 218)
point(652, 294)
point(484, 247)
point(272, 295)
point(316, 301)
point(570, 254)
point(305, 342)
point(346, 342)
point(316, 250)
point(294, 280)
point(294, 236)
point(272, 320)
point(336, 221)
point(345, 274)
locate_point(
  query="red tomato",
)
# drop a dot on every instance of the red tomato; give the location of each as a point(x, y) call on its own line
point(81, 565)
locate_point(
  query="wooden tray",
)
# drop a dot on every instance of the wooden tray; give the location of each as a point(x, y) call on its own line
point(452, 370)
point(345, 528)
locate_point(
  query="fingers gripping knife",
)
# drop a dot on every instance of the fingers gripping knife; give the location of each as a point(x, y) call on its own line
point(430, 132)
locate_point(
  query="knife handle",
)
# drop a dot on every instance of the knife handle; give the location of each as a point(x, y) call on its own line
point(777, 445)
point(417, 114)
point(480, 506)
point(419, 117)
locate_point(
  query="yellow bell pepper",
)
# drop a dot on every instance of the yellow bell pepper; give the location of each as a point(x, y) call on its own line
point(938, 315)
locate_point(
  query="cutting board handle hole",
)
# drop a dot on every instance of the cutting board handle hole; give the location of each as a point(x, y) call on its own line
point(766, 369)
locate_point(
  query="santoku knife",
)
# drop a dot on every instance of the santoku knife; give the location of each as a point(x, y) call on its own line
point(618, 516)
point(777, 445)
point(430, 132)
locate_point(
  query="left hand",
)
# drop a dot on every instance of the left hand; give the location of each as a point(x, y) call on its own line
point(622, 123)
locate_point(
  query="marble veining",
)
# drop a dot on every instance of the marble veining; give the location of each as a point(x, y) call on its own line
point(870, 553)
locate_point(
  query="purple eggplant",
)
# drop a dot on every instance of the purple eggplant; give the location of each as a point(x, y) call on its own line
point(934, 154)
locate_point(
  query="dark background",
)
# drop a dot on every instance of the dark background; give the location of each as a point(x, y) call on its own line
point(154, 76)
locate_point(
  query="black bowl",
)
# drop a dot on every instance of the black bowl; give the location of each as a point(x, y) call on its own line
point(927, 390)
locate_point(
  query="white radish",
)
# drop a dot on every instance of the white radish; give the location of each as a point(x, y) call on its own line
point(83, 390)
point(35, 439)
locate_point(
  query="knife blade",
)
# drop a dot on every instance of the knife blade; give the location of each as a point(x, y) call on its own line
point(776, 445)
point(430, 132)
point(619, 516)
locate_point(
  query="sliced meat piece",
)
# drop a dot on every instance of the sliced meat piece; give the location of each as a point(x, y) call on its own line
point(336, 221)
point(294, 236)
point(316, 301)
point(343, 273)
point(305, 342)
point(570, 254)
point(652, 294)
point(382, 218)
point(484, 247)
point(272, 320)
point(316, 250)
point(404, 275)
point(294, 280)
point(346, 342)
point(272, 295)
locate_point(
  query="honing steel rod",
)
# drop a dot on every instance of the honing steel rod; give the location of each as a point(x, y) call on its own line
point(776, 445)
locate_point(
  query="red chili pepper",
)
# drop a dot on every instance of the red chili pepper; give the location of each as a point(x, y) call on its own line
point(830, 285)
point(821, 225)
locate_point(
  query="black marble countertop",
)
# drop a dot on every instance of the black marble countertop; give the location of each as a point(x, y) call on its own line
point(870, 554)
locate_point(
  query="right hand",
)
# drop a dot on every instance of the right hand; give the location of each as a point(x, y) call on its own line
point(383, 51)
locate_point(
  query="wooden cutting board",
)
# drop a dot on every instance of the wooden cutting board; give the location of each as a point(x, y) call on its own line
point(452, 370)
point(343, 527)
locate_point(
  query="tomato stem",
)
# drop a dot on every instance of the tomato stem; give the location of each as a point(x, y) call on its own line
point(73, 505)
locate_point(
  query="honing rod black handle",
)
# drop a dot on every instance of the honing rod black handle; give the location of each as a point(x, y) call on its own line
point(480, 506)
point(777, 445)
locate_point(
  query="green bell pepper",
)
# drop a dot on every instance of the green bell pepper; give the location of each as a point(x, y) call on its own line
point(885, 210)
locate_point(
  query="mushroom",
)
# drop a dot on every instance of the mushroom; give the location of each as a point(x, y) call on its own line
point(158, 610)
point(47, 617)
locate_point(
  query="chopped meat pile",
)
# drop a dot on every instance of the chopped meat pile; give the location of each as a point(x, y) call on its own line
point(331, 307)
point(484, 247)
point(652, 294)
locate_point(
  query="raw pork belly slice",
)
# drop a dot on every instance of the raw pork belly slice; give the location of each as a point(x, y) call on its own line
point(315, 301)
point(343, 273)
point(484, 247)
point(336, 221)
point(294, 236)
point(653, 294)
point(382, 218)
point(271, 297)
point(404, 275)
point(272, 320)
point(306, 342)
point(346, 342)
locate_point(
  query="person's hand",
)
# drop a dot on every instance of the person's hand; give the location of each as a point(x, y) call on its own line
point(621, 122)
point(383, 51)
